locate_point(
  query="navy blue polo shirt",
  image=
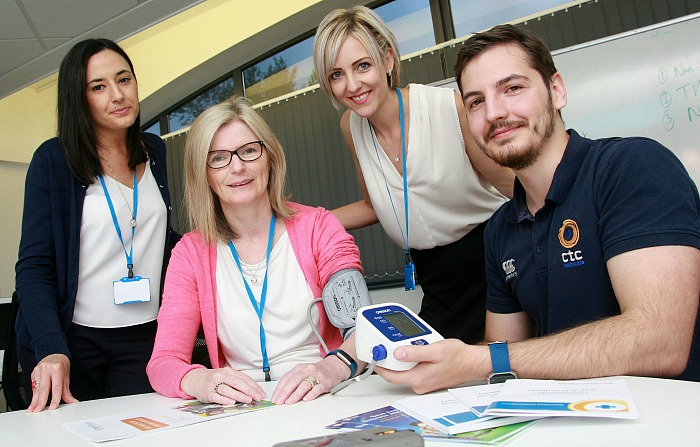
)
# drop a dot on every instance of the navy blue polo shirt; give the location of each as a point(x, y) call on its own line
point(607, 197)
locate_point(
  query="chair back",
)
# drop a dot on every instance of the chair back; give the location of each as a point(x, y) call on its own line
point(11, 375)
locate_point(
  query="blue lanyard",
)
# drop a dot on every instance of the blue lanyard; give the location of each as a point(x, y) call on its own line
point(261, 308)
point(129, 256)
point(407, 251)
point(405, 175)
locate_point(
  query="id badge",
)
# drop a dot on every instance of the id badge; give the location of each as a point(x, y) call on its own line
point(132, 290)
point(409, 276)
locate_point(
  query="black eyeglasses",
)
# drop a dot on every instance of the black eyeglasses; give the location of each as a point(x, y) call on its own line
point(248, 152)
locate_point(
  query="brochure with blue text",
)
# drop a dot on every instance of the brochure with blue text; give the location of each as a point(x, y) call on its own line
point(588, 398)
point(448, 414)
point(478, 397)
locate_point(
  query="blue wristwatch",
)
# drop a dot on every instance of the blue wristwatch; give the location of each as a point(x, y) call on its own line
point(345, 358)
point(500, 363)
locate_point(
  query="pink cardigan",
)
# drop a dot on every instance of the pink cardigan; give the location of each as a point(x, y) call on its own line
point(322, 247)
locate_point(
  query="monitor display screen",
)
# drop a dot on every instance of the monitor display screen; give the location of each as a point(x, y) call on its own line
point(404, 324)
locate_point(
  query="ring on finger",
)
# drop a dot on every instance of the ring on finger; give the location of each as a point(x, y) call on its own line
point(216, 387)
point(312, 381)
point(35, 384)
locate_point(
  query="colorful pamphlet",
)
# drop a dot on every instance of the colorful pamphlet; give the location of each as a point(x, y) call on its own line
point(588, 398)
point(478, 398)
point(448, 414)
point(131, 425)
point(391, 417)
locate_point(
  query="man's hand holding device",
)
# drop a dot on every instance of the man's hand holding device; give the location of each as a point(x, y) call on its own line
point(381, 328)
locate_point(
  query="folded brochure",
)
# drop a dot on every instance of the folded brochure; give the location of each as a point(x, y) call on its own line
point(444, 412)
point(391, 417)
point(588, 398)
point(478, 398)
point(163, 417)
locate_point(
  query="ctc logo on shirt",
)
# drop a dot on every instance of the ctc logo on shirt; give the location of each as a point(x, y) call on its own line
point(568, 238)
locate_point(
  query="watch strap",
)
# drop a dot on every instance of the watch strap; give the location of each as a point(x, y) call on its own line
point(500, 360)
point(345, 358)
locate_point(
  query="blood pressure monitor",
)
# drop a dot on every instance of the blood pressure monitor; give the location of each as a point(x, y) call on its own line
point(381, 328)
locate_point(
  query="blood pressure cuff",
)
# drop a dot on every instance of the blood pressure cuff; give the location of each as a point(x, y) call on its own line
point(345, 293)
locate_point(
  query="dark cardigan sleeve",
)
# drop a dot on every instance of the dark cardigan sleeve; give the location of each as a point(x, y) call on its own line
point(44, 267)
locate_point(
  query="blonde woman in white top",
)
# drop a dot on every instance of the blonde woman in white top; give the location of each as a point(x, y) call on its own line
point(414, 138)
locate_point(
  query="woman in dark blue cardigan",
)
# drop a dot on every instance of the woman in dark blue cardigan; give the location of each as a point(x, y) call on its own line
point(95, 238)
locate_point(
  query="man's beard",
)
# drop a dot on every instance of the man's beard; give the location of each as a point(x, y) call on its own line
point(519, 157)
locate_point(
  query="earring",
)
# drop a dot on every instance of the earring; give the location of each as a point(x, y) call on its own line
point(391, 80)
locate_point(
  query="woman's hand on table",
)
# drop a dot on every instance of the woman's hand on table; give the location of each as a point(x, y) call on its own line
point(51, 377)
point(307, 381)
point(224, 386)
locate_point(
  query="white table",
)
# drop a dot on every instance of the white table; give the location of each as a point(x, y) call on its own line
point(669, 417)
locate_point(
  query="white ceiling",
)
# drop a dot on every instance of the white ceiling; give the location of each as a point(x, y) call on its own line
point(36, 34)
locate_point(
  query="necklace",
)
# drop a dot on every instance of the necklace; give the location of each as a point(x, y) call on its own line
point(248, 269)
point(389, 152)
point(396, 157)
point(119, 186)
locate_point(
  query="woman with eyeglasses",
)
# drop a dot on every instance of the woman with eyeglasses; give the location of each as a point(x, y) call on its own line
point(252, 266)
point(420, 172)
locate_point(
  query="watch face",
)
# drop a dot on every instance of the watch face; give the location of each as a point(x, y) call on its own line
point(501, 377)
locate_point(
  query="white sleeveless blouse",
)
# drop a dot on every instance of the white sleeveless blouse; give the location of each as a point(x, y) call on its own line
point(447, 197)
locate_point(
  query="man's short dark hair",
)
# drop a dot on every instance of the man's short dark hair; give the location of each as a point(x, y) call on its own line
point(537, 52)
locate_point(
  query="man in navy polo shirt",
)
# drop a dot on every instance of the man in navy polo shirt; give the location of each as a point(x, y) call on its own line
point(593, 267)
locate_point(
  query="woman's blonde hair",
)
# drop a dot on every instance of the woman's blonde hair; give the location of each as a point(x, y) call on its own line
point(366, 26)
point(203, 207)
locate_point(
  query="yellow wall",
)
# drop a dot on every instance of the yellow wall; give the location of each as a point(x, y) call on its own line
point(160, 55)
point(11, 199)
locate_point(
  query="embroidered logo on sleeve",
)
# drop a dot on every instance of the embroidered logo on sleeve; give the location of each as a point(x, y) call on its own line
point(509, 269)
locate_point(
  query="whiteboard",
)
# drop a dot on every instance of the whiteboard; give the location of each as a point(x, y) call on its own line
point(641, 83)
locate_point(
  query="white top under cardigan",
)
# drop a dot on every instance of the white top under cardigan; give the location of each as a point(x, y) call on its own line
point(290, 340)
point(102, 258)
point(447, 197)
